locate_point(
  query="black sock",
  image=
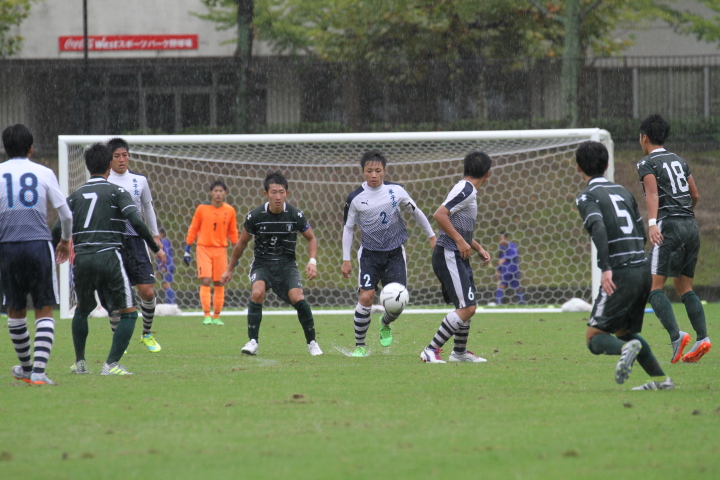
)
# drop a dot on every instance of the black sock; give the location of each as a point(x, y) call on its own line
point(122, 336)
point(605, 344)
point(645, 358)
point(79, 333)
point(306, 319)
point(696, 314)
point(254, 319)
point(663, 309)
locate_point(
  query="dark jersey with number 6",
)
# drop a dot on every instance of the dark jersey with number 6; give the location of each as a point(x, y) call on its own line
point(610, 203)
point(671, 173)
point(275, 233)
point(99, 211)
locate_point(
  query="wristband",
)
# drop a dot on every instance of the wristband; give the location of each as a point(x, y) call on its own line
point(187, 248)
point(652, 222)
point(312, 261)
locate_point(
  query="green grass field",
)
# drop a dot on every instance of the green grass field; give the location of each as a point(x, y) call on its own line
point(542, 407)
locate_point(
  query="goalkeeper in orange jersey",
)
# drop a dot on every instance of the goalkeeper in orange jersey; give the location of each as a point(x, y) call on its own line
point(212, 225)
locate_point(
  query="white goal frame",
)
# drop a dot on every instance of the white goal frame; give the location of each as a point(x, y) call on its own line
point(65, 141)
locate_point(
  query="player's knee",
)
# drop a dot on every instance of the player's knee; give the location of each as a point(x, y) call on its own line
point(257, 296)
point(593, 347)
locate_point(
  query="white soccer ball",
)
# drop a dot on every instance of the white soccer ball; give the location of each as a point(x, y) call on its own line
point(393, 297)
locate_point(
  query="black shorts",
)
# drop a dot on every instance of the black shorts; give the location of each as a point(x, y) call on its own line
point(137, 262)
point(625, 308)
point(456, 277)
point(678, 253)
point(386, 267)
point(102, 272)
point(28, 268)
point(280, 278)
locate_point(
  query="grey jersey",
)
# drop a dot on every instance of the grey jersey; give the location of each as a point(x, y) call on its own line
point(26, 189)
point(671, 173)
point(462, 204)
point(610, 203)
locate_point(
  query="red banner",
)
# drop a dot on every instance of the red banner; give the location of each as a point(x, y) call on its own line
point(111, 43)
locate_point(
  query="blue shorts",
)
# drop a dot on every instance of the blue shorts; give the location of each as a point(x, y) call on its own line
point(137, 263)
point(28, 268)
point(386, 267)
point(455, 275)
point(511, 280)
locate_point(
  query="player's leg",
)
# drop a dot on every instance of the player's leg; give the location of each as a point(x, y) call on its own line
point(515, 285)
point(115, 287)
point(305, 316)
point(168, 279)
point(259, 286)
point(204, 268)
point(219, 267)
point(369, 264)
point(15, 299)
point(395, 272)
point(140, 271)
point(85, 284)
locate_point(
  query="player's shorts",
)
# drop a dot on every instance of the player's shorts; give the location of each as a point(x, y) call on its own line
point(211, 262)
point(104, 272)
point(624, 309)
point(386, 267)
point(511, 280)
point(137, 261)
point(455, 275)
point(280, 278)
point(678, 253)
point(28, 268)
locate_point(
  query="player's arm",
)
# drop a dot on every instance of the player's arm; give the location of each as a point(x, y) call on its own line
point(57, 199)
point(481, 251)
point(694, 194)
point(149, 212)
point(442, 217)
point(192, 235)
point(232, 232)
point(134, 219)
point(599, 237)
point(311, 267)
point(240, 246)
point(652, 201)
point(421, 219)
point(347, 239)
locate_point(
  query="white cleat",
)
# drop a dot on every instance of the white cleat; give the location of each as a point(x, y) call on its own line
point(314, 348)
point(466, 356)
point(251, 348)
point(429, 355)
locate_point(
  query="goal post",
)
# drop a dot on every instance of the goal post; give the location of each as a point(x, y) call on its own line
point(530, 195)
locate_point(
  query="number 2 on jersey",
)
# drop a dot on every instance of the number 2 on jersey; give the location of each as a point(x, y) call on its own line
point(383, 217)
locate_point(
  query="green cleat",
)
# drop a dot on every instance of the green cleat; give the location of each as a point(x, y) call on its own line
point(385, 334)
point(208, 320)
point(151, 344)
point(217, 321)
point(359, 351)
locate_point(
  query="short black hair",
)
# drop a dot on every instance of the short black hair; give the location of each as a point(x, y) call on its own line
point(162, 230)
point(97, 159)
point(476, 164)
point(592, 157)
point(372, 156)
point(656, 128)
point(218, 183)
point(276, 178)
point(17, 140)
point(117, 142)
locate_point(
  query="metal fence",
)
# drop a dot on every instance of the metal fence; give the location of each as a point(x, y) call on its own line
point(121, 96)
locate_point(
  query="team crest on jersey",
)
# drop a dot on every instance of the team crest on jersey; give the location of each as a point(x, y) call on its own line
point(289, 227)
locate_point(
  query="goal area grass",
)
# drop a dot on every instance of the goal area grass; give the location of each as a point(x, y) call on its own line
point(542, 407)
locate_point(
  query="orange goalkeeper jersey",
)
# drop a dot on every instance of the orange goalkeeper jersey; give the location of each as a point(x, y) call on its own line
point(213, 226)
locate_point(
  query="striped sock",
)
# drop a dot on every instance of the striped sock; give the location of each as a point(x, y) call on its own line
point(114, 320)
point(447, 329)
point(461, 337)
point(21, 341)
point(44, 337)
point(148, 314)
point(362, 322)
point(388, 318)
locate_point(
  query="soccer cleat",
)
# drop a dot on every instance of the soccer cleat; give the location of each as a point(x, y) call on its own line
point(79, 367)
point(700, 348)
point(207, 320)
point(40, 379)
point(19, 374)
point(653, 385)
point(113, 369)
point(385, 334)
point(360, 351)
point(429, 355)
point(151, 344)
point(251, 348)
point(678, 346)
point(466, 356)
point(217, 321)
point(314, 348)
point(624, 366)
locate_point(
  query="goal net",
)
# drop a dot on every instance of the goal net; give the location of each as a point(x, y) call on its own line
point(530, 195)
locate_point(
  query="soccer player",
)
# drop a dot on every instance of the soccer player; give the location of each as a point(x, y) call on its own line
point(376, 207)
point(610, 215)
point(167, 271)
point(100, 213)
point(275, 226)
point(212, 225)
point(671, 196)
point(137, 262)
point(451, 260)
point(27, 259)
point(508, 268)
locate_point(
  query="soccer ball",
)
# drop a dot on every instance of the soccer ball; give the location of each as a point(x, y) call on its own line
point(393, 297)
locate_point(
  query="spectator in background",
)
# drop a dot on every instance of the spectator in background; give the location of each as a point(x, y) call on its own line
point(167, 270)
point(507, 273)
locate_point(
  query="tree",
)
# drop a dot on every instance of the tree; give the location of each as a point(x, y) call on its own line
point(12, 13)
point(704, 27)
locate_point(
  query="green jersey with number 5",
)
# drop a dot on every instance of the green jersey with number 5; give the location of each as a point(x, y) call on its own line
point(99, 211)
point(672, 174)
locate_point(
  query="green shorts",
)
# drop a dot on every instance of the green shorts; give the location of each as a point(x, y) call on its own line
point(281, 278)
point(678, 253)
point(624, 309)
point(102, 272)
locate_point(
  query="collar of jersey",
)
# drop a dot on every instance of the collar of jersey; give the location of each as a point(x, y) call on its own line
point(97, 179)
point(658, 150)
point(598, 180)
point(267, 207)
